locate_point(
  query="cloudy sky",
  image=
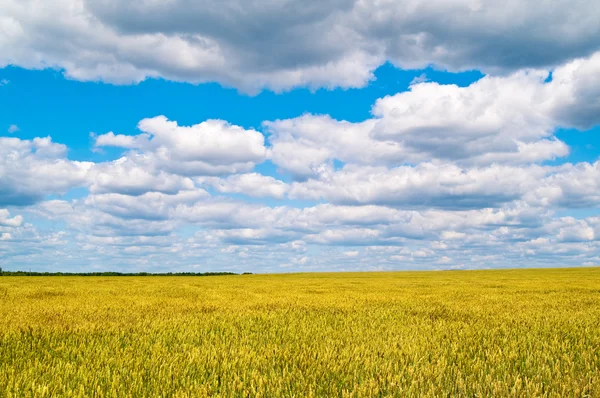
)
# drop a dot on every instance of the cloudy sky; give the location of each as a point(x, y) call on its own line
point(282, 136)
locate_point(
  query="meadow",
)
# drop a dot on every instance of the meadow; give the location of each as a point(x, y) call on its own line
point(455, 333)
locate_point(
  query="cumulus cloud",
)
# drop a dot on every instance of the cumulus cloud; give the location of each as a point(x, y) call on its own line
point(575, 88)
point(425, 185)
point(108, 216)
point(111, 139)
point(439, 176)
point(282, 44)
point(33, 169)
point(445, 185)
point(148, 206)
point(7, 221)
point(494, 111)
point(440, 210)
point(569, 186)
point(115, 223)
point(307, 145)
point(575, 231)
point(331, 224)
point(212, 147)
point(492, 115)
point(251, 184)
point(126, 176)
point(496, 120)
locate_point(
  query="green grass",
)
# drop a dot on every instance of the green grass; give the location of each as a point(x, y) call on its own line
point(461, 333)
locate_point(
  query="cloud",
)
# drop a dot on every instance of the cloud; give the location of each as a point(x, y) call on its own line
point(491, 116)
point(496, 120)
point(7, 221)
point(440, 176)
point(213, 147)
point(127, 176)
point(425, 185)
point(575, 89)
point(306, 146)
point(575, 231)
point(111, 139)
point(446, 185)
point(375, 225)
point(251, 184)
point(419, 79)
point(570, 186)
point(148, 206)
point(436, 210)
point(13, 128)
point(33, 169)
point(268, 235)
point(279, 45)
point(109, 217)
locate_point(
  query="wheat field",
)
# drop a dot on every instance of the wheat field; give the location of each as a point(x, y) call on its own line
point(460, 333)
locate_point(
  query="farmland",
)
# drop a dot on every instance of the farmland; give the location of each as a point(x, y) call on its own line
point(465, 333)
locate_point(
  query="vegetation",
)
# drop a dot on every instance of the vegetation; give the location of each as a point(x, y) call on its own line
point(473, 333)
point(30, 273)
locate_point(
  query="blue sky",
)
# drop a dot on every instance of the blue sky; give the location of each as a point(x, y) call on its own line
point(40, 101)
point(315, 143)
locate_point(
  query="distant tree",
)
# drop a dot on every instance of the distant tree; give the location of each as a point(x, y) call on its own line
point(34, 273)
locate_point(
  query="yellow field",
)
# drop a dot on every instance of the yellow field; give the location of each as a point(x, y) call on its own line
point(473, 333)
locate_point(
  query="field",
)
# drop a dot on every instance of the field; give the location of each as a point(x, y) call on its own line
point(458, 333)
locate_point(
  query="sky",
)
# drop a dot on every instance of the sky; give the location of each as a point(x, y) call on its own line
point(285, 136)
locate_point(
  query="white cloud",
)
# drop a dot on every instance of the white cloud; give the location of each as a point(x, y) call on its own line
point(251, 184)
point(494, 114)
point(212, 147)
point(126, 176)
point(148, 206)
point(136, 208)
point(121, 141)
point(575, 89)
point(440, 176)
point(575, 231)
point(449, 186)
point(30, 170)
point(7, 221)
point(569, 186)
point(109, 224)
point(508, 120)
point(102, 217)
point(446, 121)
point(213, 141)
point(425, 185)
point(285, 44)
point(306, 146)
point(13, 128)
point(496, 120)
point(444, 260)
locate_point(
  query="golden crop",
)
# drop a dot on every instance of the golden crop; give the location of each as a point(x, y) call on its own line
point(474, 333)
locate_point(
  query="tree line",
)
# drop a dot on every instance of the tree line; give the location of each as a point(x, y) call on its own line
point(30, 273)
